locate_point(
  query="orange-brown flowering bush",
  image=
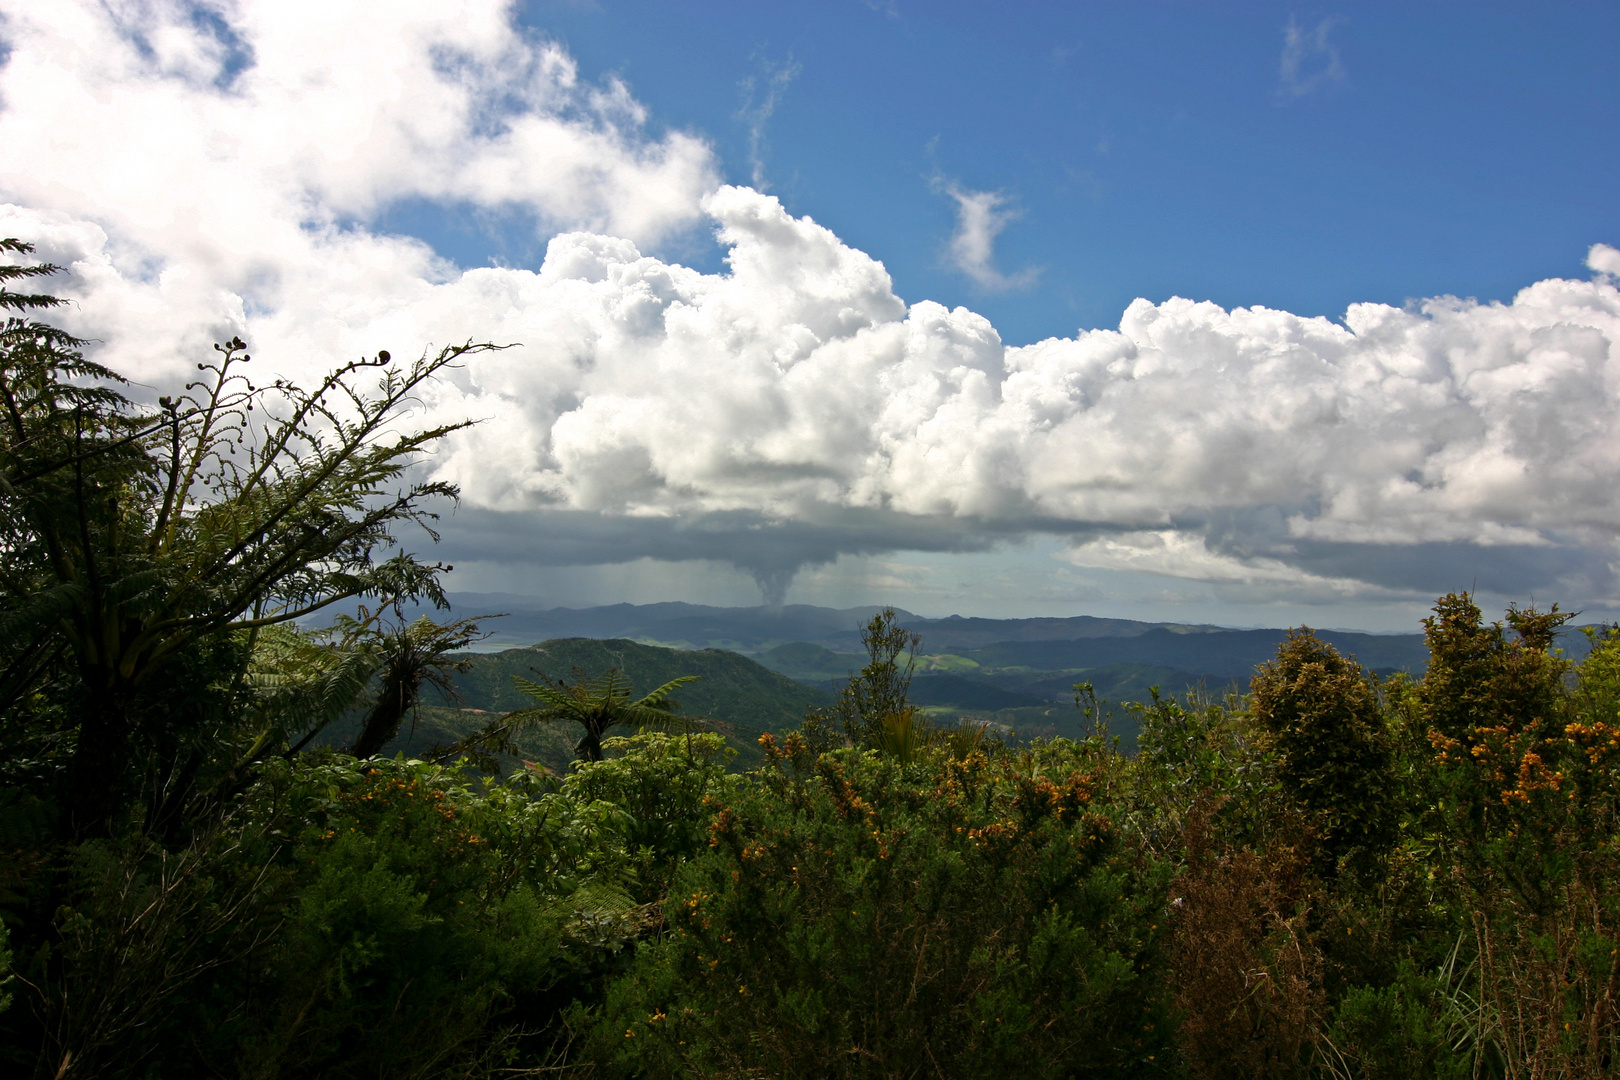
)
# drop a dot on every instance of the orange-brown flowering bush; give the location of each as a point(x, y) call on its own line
point(859, 917)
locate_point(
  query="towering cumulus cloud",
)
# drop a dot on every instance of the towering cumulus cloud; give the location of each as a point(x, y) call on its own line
point(1247, 446)
point(228, 174)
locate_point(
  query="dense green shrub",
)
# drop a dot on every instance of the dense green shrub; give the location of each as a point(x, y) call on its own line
point(1409, 1029)
point(1322, 715)
point(1480, 941)
point(661, 785)
point(419, 908)
point(855, 916)
point(875, 697)
point(1205, 765)
point(352, 917)
point(1506, 755)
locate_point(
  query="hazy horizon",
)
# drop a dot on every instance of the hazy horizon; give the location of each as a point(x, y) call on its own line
point(465, 602)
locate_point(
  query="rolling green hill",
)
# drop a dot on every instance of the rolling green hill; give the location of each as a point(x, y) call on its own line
point(1116, 687)
point(1229, 654)
point(1026, 688)
point(743, 696)
point(1017, 673)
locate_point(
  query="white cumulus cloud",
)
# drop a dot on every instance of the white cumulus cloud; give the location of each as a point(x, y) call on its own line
point(231, 153)
point(207, 176)
point(1604, 260)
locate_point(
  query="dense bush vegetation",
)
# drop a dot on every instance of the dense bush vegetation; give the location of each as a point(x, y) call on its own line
point(1328, 877)
point(856, 915)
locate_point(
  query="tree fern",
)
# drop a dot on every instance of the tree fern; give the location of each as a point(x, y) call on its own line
point(603, 703)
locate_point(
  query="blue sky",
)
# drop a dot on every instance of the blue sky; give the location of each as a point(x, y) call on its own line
point(853, 302)
point(1148, 150)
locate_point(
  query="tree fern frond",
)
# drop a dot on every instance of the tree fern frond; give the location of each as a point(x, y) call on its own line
point(660, 698)
point(601, 703)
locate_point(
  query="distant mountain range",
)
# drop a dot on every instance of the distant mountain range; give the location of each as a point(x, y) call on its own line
point(1016, 673)
point(758, 629)
point(1051, 644)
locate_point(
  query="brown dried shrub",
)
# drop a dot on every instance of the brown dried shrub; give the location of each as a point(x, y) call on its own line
point(1552, 984)
point(1246, 972)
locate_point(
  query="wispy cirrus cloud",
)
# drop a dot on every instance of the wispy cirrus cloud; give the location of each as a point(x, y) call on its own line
point(980, 218)
point(1310, 61)
point(762, 92)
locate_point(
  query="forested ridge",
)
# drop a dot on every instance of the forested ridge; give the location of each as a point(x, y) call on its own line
point(216, 860)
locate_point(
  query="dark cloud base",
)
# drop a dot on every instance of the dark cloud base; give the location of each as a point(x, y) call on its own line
point(773, 551)
point(1571, 567)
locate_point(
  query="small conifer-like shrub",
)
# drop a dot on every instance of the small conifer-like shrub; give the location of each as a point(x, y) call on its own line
point(1322, 716)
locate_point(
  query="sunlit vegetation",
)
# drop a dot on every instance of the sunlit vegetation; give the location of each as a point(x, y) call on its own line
point(216, 860)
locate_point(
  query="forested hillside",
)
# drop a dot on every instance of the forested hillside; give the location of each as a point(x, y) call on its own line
point(730, 688)
point(744, 699)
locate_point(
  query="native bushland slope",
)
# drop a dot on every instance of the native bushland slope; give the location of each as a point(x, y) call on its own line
point(745, 699)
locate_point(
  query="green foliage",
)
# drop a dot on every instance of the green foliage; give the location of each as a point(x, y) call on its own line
point(1493, 709)
point(1195, 756)
point(731, 689)
point(741, 698)
point(421, 909)
point(856, 916)
point(353, 917)
point(938, 902)
point(663, 785)
point(409, 656)
point(134, 537)
point(1514, 780)
point(300, 683)
point(875, 698)
point(1410, 1029)
point(1322, 715)
point(135, 931)
point(598, 705)
point(1480, 678)
point(873, 712)
point(1597, 694)
point(7, 976)
point(1590, 749)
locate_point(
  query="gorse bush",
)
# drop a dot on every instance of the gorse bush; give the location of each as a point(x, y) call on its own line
point(352, 918)
point(365, 917)
point(418, 908)
point(857, 916)
point(1518, 803)
point(1321, 713)
point(1481, 939)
